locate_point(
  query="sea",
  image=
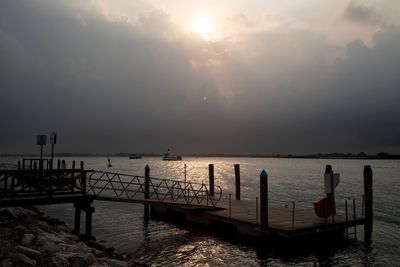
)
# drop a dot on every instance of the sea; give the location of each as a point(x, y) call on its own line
point(299, 181)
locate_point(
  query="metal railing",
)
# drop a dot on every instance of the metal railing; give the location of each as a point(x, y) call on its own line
point(133, 187)
point(23, 183)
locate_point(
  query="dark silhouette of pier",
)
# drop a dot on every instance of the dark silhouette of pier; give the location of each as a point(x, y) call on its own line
point(37, 183)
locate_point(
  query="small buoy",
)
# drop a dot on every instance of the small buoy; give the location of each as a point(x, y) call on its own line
point(109, 163)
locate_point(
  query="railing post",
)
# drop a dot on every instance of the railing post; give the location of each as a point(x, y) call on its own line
point(50, 177)
point(211, 178)
point(368, 203)
point(84, 178)
point(264, 199)
point(146, 191)
point(19, 165)
point(73, 177)
point(237, 181)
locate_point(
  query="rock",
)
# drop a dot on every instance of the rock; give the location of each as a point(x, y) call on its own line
point(32, 253)
point(43, 225)
point(77, 261)
point(45, 245)
point(21, 212)
point(116, 263)
point(22, 260)
point(27, 239)
point(90, 259)
point(58, 261)
point(7, 263)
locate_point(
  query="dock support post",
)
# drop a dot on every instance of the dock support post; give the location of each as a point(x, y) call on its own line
point(88, 221)
point(211, 178)
point(264, 199)
point(77, 225)
point(368, 202)
point(354, 218)
point(146, 192)
point(230, 205)
point(237, 181)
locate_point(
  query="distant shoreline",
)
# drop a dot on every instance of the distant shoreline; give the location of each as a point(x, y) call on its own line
point(359, 156)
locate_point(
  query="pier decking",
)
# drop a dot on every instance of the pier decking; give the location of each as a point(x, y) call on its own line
point(190, 202)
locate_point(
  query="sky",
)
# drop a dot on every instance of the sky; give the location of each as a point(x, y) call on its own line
point(233, 77)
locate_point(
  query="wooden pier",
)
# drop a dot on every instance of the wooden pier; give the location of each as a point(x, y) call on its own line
point(184, 201)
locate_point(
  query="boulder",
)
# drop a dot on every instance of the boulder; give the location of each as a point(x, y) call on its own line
point(27, 239)
point(22, 260)
point(116, 263)
point(7, 263)
point(58, 261)
point(32, 253)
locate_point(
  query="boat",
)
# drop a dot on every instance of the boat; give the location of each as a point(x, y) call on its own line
point(169, 156)
point(135, 156)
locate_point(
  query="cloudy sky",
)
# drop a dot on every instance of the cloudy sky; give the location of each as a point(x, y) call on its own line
point(203, 76)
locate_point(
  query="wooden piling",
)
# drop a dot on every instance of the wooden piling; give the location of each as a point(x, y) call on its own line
point(237, 181)
point(368, 202)
point(88, 222)
point(146, 192)
point(211, 178)
point(264, 200)
point(77, 224)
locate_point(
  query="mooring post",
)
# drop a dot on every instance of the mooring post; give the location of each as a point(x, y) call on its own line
point(368, 202)
point(237, 181)
point(256, 210)
point(77, 224)
point(146, 191)
point(19, 165)
point(264, 199)
point(211, 178)
point(58, 164)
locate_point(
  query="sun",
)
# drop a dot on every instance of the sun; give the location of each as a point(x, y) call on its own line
point(203, 25)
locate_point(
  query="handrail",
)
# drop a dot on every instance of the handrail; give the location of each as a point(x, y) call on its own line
point(133, 187)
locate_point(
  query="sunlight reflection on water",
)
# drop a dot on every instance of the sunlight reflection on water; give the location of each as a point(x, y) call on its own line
point(163, 244)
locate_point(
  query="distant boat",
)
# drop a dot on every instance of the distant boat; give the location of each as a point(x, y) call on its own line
point(135, 156)
point(168, 156)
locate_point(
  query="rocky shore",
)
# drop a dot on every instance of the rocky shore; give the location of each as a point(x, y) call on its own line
point(28, 238)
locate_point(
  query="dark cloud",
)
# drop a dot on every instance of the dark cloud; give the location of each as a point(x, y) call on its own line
point(142, 85)
point(362, 14)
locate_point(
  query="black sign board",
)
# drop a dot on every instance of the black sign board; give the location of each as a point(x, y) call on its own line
point(41, 140)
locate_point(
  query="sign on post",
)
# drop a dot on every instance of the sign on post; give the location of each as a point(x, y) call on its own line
point(53, 138)
point(41, 140)
point(328, 182)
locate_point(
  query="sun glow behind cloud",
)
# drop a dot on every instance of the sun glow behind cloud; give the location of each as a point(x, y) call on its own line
point(204, 25)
